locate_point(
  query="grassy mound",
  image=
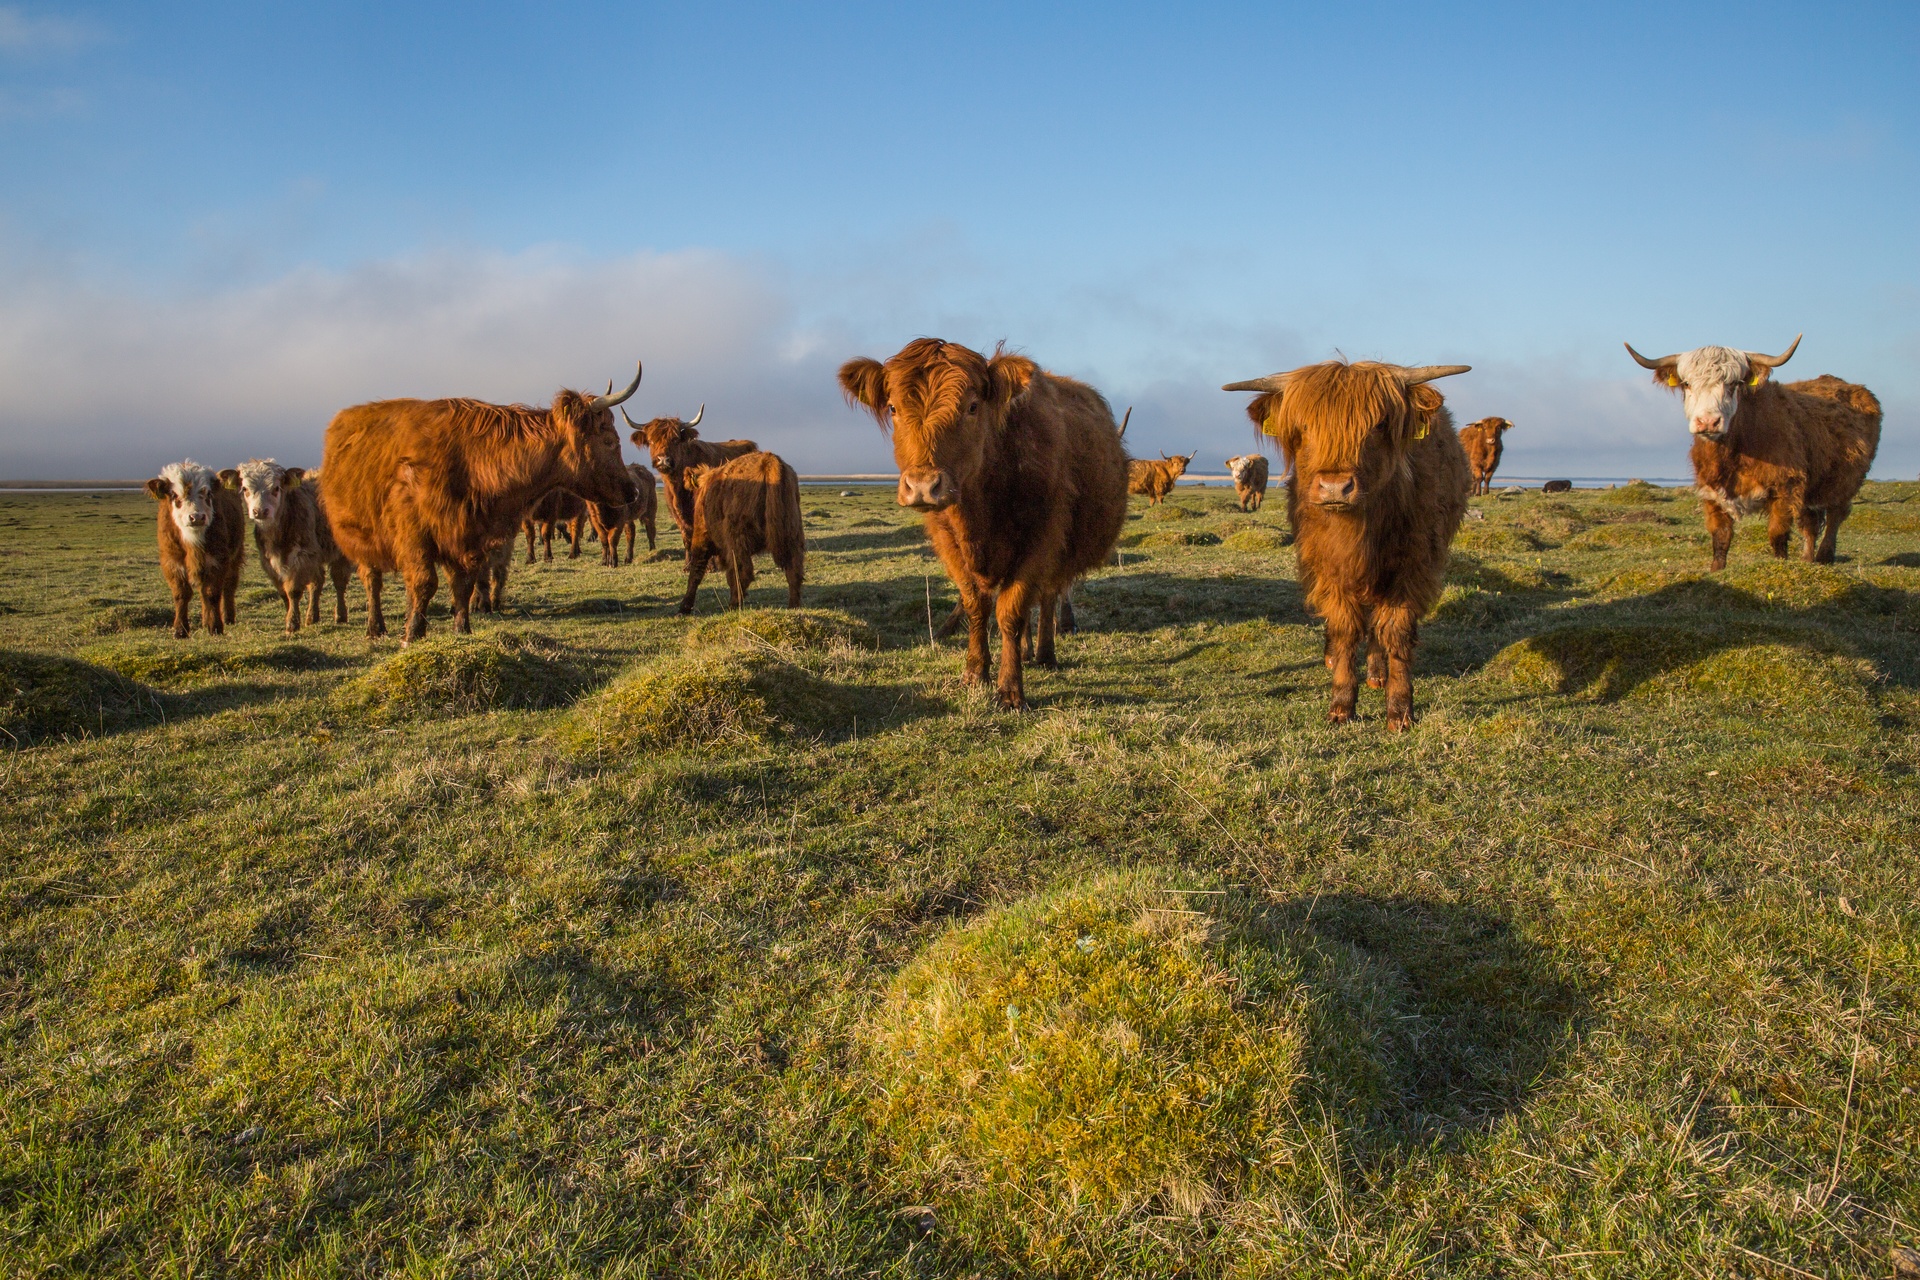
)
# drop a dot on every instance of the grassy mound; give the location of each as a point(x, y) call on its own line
point(1881, 518)
point(1761, 586)
point(784, 629)
point(1500, 576)
point(1179, 538)
point(1620, 537)
point(1496, 538)
point(1636, 493)
point(1121, 1051)
point(43, 696)
point(1170, 511)
point(112, 619)
point(1255, 540)
point(466, 674)
point(177, 662)
point(703, 700)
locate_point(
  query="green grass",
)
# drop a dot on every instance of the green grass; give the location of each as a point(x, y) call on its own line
point(312, 964)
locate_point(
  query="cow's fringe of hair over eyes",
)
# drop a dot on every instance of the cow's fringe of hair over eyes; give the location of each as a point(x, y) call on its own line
point(1344, 401)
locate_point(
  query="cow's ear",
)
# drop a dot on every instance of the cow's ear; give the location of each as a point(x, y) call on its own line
point(1757, 375)
point(1666, 375)
point(158, 489)
point(1008, 378)
point(1261, 411)
point(292, 478)
point(864, 383)
point(570, 409)
point(1425, 402)
point(230, 479)
point(639, 438)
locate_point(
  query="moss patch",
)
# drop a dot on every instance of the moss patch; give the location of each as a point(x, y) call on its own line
point(1620, 537)
point(43, 696)
point(1171, 511)
point(462, 675)
point(819, 629)
point(1255, 540)
point(1636, 493)
point(1178, 538)
point(186, 662)
point(711, 699)
point(1122, 1051)
point(1496, 538)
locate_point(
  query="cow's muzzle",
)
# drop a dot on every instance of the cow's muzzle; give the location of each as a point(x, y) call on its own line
point(1336, 492)
point(928, 490)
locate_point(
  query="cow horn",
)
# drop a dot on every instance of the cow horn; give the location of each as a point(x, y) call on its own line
point(696, 417)
point(1428, 372)
point(1124, 421)
point(1272, 382)
point(1645, 363)
point(609, 400)
point(1774, 362)
point(630, 421)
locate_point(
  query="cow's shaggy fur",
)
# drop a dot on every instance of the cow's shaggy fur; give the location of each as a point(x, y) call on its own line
point(293, 537)
point(610, 522)
point(415, 484)
point(1379, 489)
point(202, 529)
point(1021, 476)
point(1482, 441)
point(1155, 478)
point(744, 507)
point(673, 446)
point(1798, 451)
point(1249, 472)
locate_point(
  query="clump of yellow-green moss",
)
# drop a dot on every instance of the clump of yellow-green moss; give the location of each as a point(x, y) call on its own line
point(44, 696)
point(814, 629)
point(713, 698)
point(462, 675)
point(1621, 537)
point(1256, 539)
point(1637, 493)
point(1485, 536)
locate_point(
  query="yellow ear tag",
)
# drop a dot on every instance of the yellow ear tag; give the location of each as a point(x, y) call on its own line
point(1421, 434)
point(1755, 380)
point(1267, 427)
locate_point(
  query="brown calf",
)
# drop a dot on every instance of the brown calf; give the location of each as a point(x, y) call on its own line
point(1249, 472)
point(743, 507)
point(1021, 476)
point(1379, 489)
point(202, 531)
point(1156, 479)
point(1800, 451)
point(293, 538)
point(610, 522)
point(674, 445)
point(558, 510)
point(1482, 441)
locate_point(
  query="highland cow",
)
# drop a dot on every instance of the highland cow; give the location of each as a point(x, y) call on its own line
point(674, 445)
point(741, 508)
point(1155, 479)
point(1483, 443)
point(1379, 490)
point(202, 533)
point(293, 538)
point(1249, 472)
point(558, 510)
point(610, 522)
point(1799, 451)
point(1020, 474)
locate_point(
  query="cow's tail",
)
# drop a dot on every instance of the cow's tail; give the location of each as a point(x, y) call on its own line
point(786, 537)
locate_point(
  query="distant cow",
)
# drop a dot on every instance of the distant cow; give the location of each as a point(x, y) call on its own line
point(558, 510)
point(1379, 490)
point(673, 445)
point(744, 507)
point(1155, 479)
point(1249, 472)
point(293, 538)
point(415, 484)
point(203, 530)
point(1021, 476)
point(1557, 486)
point(610, 522)
point(1482, 441)
point(1801, 451)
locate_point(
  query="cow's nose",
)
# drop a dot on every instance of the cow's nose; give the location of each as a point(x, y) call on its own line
point(928, 490)
point(196, 518)
point(1706, 423)
point(1336, 490)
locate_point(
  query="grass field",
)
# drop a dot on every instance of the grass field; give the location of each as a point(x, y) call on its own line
point(606, 943)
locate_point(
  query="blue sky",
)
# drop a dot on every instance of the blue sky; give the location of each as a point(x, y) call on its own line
point(221, 222)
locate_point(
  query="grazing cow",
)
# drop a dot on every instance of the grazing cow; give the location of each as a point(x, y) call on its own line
point(1482, 442)
point(415, 484)
point(1380, 488)
point(745, 506)
point(293, 538)
point(610, 522)
point(1801, 451)
point(1156, 479)
point(1557, 486)
point(1249, 472)
point(674, 445)
point(1021, 476)
point(203, 529)
point(558, 510)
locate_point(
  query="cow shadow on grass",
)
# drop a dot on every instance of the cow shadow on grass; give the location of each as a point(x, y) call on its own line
point(1491, 1016)
point(896, 539)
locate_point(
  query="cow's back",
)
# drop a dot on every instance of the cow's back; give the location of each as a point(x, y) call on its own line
point(365, 447)
point(1071, 450)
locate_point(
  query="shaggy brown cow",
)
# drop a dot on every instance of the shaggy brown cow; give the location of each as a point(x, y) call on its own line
point(203, 530)
point(1249, 472)
point(1021, 476)
point(745, 506)
point(415, 484)
point(1380, 487)
point(1156, 479)
point(558, 510)
point(673, 445)
point(610, 522)
point(293, 538)
point(1801, 451)
point(1482, 441)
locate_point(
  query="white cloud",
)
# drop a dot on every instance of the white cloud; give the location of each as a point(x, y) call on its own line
point(23, 32)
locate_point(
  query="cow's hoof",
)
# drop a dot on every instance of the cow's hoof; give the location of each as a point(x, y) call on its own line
point(180, 633)
point(1340, 715)
point(1399, 722)
point(1376, 682)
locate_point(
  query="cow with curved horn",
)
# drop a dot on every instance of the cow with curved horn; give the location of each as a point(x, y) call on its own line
point(1800, 451)
point(1379, 489)
point(1155, 480)
point(674, 446)
point(412, 485)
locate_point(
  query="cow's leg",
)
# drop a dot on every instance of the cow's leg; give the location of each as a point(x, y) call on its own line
point(1344, 634)
point(1043, 651)
point(290, 596)
point(1394, 633)
point(313, 601)
point(546, 540)
point(1810, 520)
point(182, 588)
point(652, 537)
point(376, 616)
point(422, 582)
point(740, 578)
point(954, 619)
point(1835, 514)
point(978, 605)
point(461, 578)
point(1782, 512)
point(210, 607)
point(1376, 666)
point(795, 569)
point(528, 529)
point(340, 575)
point(1720, 529)
point(696, 570)
point(1068, 623)
point(1015, 598)
point(576, 535)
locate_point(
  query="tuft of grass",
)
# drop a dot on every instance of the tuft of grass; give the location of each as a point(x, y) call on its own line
point(1255, 540)
point(1171, 511)
point(116, 618)
point(1618, 537)
point(1498, 539)
point(462, 675)
point(816, 629)
point(1177, 538)
point(1636, 493)
point(707, 699)
point(44, 697)
point(1122, 1052)
point(182, 662)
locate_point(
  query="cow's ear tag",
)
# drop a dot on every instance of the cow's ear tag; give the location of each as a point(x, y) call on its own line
point(1672, 381)
point(1756, 380)
point(1424, 429)
point(1270, 427)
